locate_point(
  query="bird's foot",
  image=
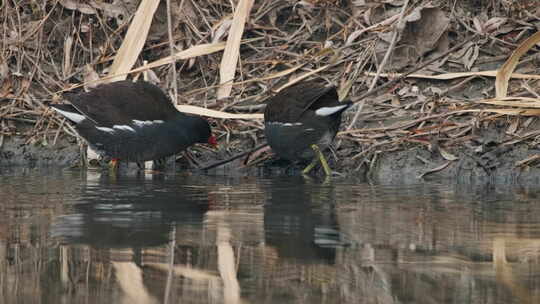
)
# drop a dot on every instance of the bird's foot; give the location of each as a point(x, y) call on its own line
point(113, 164)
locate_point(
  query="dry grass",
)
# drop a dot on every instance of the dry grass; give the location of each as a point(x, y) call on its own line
point(50, 46)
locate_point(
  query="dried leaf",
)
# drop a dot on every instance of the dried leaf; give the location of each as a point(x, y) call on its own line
point(395, 101)
point(4, 71)
point(344, 90)
point(477, 25)
point(447, 155)
point(5, 89)
point(505, 72)
point(425, 29)
point(221, 29)
point(494, 23)
point(118, 9)
point(66, 67)
point(470, 57)
point(77, 6)
point(354, 35)
point(513, 127)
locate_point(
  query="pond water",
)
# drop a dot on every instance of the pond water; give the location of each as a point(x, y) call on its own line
point(85, 237)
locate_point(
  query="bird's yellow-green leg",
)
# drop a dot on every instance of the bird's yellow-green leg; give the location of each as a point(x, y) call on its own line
point(318, 157)
point(311, 165)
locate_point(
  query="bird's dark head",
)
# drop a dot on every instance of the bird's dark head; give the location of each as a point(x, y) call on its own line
point(205, 133)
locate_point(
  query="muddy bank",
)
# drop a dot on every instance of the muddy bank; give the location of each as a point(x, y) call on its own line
point(415, 164)
point(499, 164)
point(16, 152)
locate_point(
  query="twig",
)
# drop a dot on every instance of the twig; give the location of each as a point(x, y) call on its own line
point(171, 48)
point(397, 30)
point(222, 162)
point(399, 27)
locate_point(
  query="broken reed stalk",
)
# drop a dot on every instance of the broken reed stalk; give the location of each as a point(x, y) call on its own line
point(174, 95)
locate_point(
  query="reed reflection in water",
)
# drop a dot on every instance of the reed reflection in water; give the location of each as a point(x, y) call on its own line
point(78, 237)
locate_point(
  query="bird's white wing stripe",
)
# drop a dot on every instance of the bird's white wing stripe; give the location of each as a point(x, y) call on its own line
point(140, 123)
point(326, 111)
point(145, 123)
point(105, 129)
point(136, 124)
point(285, 124)
point(75, 117)
point(123, 127)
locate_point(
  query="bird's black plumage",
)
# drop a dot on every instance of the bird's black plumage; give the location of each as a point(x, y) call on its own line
point(292, 124)
point(118, 103)
point(302, 115)
point(133, 121)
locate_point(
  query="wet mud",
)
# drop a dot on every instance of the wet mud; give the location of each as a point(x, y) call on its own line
point(501, 164)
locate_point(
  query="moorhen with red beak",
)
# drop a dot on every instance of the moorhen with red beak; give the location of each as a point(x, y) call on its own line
point(133, 121)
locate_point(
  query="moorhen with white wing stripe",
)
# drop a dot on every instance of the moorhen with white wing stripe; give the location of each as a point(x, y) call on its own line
point(302, 120)
point(133, 121)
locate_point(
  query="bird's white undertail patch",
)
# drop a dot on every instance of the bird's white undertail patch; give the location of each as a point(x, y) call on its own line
point(75, 117)
point(326, 111)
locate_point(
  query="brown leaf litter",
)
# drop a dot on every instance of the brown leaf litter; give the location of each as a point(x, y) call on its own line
point(54, 46)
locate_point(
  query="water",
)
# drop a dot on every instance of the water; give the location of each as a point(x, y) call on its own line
point(83, 237)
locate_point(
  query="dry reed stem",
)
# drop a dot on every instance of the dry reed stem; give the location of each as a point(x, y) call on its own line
point(232, 48)
point(134, 40)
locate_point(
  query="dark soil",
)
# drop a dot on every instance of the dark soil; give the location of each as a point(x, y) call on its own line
point(15, 152)
point(403, 166)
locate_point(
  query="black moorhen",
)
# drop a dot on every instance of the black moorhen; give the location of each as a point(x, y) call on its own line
point(133, 121)
point(302, 120)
